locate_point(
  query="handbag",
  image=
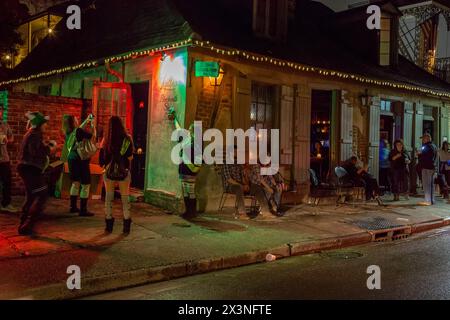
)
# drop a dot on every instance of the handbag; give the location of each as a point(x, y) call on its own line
point(117, 170)
point(86, 149)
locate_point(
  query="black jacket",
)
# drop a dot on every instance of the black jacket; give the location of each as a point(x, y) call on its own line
point(400, 163)
point(34, 152)
point(106, 156)
point(428, 156)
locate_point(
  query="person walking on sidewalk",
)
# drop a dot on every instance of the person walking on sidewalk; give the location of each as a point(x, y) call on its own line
point(6, 137)
point(79, 169)
point(427, 162)
point(188, 168)
point(115, 156)
point(399, 162)
point(34, 160)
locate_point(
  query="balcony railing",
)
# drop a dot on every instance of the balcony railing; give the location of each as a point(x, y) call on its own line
point(442, 68)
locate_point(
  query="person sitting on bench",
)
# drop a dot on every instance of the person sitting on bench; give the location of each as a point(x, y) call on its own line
point(359, 177)
point(235, 184)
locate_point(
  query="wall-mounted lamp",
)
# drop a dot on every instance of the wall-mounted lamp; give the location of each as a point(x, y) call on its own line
point(217, 82)
point(365, 99)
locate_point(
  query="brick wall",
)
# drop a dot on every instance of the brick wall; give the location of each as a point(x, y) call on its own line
point(55, 107)
point(209, 97)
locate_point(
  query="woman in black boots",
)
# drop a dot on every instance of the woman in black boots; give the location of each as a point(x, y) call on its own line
point(79, 169)
point(33, 162)
point(115, 156)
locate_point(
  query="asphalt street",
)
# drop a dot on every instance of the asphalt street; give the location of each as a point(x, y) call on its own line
point(413, 268)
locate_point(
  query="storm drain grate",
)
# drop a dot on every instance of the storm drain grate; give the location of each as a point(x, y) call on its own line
point(377, 223)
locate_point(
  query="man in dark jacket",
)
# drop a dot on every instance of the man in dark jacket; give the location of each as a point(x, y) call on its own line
point(427, 162)
point(33, 162)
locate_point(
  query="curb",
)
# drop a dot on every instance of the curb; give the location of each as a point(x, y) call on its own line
point(98, 285)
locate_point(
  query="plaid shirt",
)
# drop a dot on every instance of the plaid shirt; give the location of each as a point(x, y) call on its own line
point(233, 171)
point(255, 174)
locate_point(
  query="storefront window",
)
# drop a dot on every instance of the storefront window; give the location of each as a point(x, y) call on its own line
point(262, 106)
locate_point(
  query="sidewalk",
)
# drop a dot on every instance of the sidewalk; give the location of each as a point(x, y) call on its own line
point(163, 246)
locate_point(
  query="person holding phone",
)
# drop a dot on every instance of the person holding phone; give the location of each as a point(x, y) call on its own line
point(34, 160)
point(399, 164)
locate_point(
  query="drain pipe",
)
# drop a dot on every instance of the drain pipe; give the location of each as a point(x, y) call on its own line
point(293, 184)
point(115, 73)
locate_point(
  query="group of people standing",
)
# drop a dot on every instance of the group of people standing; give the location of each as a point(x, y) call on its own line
point(432, 168)
point(116, 151)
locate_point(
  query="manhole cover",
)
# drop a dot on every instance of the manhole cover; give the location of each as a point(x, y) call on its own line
point(344, 255)
point(376, 224)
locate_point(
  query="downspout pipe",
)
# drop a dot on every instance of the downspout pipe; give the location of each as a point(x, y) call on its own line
point(114, 73)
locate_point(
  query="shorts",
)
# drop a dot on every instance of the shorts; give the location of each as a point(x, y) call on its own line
point(79, 171)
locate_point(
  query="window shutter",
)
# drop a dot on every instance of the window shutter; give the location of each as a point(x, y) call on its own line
point(346, 127)
point(242, 102)
point(286, 125)
point(418, 127)
point(444, 123)
point(408, 115)
point(374, 137)
point(302, 136)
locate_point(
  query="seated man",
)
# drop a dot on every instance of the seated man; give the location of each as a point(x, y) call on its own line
point(234, 183)
point(261, 190)
point(360, 177)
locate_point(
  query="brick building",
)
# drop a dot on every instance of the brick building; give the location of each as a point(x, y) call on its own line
point(297, 66)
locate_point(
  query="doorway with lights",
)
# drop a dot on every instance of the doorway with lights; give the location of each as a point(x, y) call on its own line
point(321, 114)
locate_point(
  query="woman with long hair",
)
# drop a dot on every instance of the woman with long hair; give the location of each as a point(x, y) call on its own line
point(115, 156)
point(399, 163)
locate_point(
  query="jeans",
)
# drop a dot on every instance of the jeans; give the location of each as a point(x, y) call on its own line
point(5, 177)
point(259, 193)
point(428, 184)
point(124, 187)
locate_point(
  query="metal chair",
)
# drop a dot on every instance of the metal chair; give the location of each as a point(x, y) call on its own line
point(226, 194)
point(345, 189)
point(319, 190)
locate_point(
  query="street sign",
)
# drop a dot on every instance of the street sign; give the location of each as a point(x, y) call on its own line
point(207, 69)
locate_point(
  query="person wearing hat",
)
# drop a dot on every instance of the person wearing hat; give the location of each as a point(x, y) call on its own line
point(34, 159)
point(427, 162)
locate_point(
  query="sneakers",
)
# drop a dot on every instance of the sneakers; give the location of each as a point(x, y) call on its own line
point(9, 208)
point(425, 204)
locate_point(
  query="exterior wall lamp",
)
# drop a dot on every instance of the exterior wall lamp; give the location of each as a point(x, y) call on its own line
point(217, 81)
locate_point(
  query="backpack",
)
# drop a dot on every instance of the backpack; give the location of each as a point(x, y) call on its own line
point(117, 169)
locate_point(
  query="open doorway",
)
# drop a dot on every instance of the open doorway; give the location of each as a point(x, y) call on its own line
point(140, 94)
point(321, 108)
point(387, 137)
